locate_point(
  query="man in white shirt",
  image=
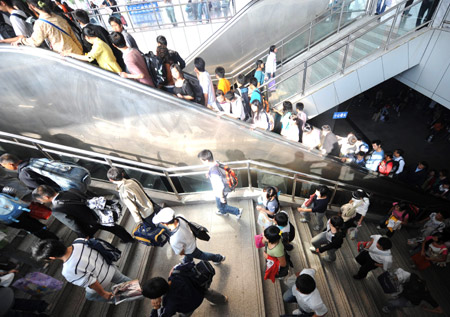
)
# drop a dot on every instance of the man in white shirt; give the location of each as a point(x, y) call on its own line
point(377, 253)
point(205, 82)
point(17, 19)
point(182, 240)
point(83, 266)
point(236, 105)
point(219, 189)
point(306, 294)
point(398, 157)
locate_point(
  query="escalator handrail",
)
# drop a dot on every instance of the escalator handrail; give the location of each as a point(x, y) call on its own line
point(351, 39)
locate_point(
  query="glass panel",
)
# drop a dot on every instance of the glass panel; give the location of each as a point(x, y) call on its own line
point(199, 183)
point(325, 27)
point(264, 180)
point(325, 67)
point(295, 46)
point(368, 43)
point(410, 20)
point(287, 86)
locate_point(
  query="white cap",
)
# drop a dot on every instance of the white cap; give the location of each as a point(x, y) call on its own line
point(165, 215)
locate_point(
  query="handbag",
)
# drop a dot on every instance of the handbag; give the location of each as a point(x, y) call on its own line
point(389, 282)
point(39, 211)
point(393, 223)
point(259, 241)
point(198, 231)
point(309, 201)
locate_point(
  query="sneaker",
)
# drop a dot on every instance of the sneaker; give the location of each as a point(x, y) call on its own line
point(296, 312)
point(238, 216)
point(221, 214)
point(312, 249)
point(214, 304)
point(304, 220)
point(385, 310)
point(316, 228)
point(327, 259)
point(218, 263)
point(378, 227)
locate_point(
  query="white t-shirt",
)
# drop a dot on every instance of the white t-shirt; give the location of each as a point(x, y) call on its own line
point(237, 108)
point(401, 164)
point(312, 139)
point(361, 208)
point(271, 63)
point(380, 256)
point(311, 302)
point(85, 266)
point(19, 25)
point(207, 87)
point(182, 238)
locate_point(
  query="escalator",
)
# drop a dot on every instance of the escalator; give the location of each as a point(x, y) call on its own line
point(77, 105)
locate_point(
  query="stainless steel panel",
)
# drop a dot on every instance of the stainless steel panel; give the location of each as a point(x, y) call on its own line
point(73, 103)
point(254, 29)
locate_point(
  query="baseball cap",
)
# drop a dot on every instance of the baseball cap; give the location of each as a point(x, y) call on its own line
point(165, 215)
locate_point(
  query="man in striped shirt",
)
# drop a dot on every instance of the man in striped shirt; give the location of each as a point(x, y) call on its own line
point(83, 266)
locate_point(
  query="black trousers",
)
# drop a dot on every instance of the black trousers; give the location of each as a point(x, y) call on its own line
point(366, 262)
point(351, 223)
point(425, 6)
point(34, 226)
point(383, 225)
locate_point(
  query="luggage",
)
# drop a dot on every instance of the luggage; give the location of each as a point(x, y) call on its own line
point(11, 208)
point(109, 252)
point(199, 231)
point(389, 282)
point(151, 235)
point(38, 283)
point(66, 175)
point(39, 211)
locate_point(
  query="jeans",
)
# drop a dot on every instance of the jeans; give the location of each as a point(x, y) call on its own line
point(205, 256)
point(224, 208)
point(320, 240)
point(400, 302)
point(318, 215)
point(381, 6)
point(203, 8)
point(118, 278)
point(171, 14)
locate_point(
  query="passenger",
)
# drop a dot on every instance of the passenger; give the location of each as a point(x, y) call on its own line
point(236, 106)
point(271, 65)
point(433, 251)
point(348, 146)
point(182, 240)
point(82, 266)
point(174, 56)
point(275, 249)
point(414, 291)
point(116, 25)
point(360, 159)
point(179, 295)
point(82, 18)
point(17, 19)
point(260, 117)
point(134, 61)
point(254, 92)
point(221, 104)
point(281, 220)
point(432, 224)
point(306, 294)
point(375, 156)
point(397, 216)
point(442, 178)
point(376, 253)
point(215, 177)
point(223, 83)
point(430, 180)
point(132, 194)
point(398, 157)
point(318, 206)
point(268, 206)
point(285, 115)
point(205, 82)
point(302, 117)
point(71, 208)
point(242, 91)
point(417, 176)
point(387, 166)
point(291, 132)
point(360, 202)
point(329, 142)
point(311, 137)
point(163, 53)
point(25, 174)
point(100, 52)
point(171, 12)
point(259, 74)
point(183, 88)
point(51, 27)
point(330, 240)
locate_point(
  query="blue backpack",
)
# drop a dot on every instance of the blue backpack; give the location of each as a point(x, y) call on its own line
point(66, 175)
point(11, 208)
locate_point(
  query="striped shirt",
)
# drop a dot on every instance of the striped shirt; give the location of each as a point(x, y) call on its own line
point(85, 266)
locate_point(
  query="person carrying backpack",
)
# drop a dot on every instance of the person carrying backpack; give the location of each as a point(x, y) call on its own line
point(414, 292)
point(83, 265)
point(217, 176)
point(17, 19)
point(388, 165)
point(182, 293)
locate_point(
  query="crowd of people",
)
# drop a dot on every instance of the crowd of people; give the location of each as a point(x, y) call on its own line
point(86, 266)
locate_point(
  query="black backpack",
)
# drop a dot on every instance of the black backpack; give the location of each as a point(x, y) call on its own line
point(201, 274)
point(199, 97)
point(415, 289)
point(395, 166)
point(156, 68)
point(246, 104)
point(109, 252)
point(6, 30)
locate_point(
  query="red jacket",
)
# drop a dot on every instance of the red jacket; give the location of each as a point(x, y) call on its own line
point(272, 268)
point(385, 168)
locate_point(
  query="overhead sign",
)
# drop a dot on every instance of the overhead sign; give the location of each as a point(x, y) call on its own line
point(340, 115)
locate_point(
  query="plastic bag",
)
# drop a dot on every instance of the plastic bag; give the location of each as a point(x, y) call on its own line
point(353, 233)
point(259, 241)
point(38, 283)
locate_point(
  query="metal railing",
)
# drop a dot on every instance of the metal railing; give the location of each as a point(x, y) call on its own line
point(333, 20)
point(150, 15)
point(179, 179)
point(378, 34)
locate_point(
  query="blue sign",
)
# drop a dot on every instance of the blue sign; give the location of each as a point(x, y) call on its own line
point(340, 115)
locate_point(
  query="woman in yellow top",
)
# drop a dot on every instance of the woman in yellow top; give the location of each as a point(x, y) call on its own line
point(51, 27)
point(101, 52)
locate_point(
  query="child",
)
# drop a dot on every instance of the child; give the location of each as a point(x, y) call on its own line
point(281, 220)
point(259, 75)
point(223, 84)
point(242, 91)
